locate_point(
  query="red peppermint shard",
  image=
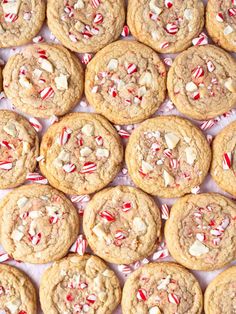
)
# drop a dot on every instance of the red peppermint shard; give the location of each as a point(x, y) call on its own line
point(36, 177)
point(4, 257)
point(232, 12)
point(165, 212)
point(198, 72)
point(36, 124)
point(171, 29)
point(105, 214)
point(173, 298)
point(91, 298)
point(96, 3)
point(47, 93)
point(10, 17)
point(120, 235)
point(123, 133)
point(227, 157)
point(125, 31)
point(86, 58)
point(132, 68)
point(80, 245)
point(142, 295)
point(220, 17)
point(168, 3)
point(98, 19)
point(22, 312)
point(164, 45)
point(88, 167)
point(64, 136)
point(99, 140)
point(69, 168)
point(126, 206)
point(6, 165)
point(7, 145)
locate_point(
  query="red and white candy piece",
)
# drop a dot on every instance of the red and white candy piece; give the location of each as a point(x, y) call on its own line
point(173, 298)
point(112, 91)
point(36, 124)
point(10, 17)
point(86, 58)
point(165, 211)
point(232, 12)
point(47, 93)
point(98, 19)
point(69, 168)
point(80, 198)
point(6, 165)
point(125, 269)
point(88, 167)
point(210, 66)
point(36, 238)
point(36, 177)
point(99, 140)
point(125, 31)
point(206, 125)
point(201, 40)
point(167, 153)
point(132, 68)
point(7, 144)
point(120, 235)
point(164, 45)
point(196, 95)
point(171, 28)
point(168, 3)
point(91, 299)
point(126, 206)
point(80, 245)
point(198, 72)
point(4, 257)
point(220, 17)
point(105, 214)
point(38, 39)
point(161, 253)
point(95, 3)
point(227, 158)
point(123, 133)
point(64, 136)
point(142, 295)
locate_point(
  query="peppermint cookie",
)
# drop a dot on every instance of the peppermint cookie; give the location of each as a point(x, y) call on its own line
point(201, 231)
point(44, 80)
point(79, 284)
point(122, 224)
point(126, 82)
point(199, 79)
point(223, 165)
point(82, 153)
point(19, 147)
point(21, 20)
point(162, 288)
point(167, 156)
point(84, 25)
point(220, 295)
point(220, 23)
point(17, 293)
point(166, 26)
point(38, 224)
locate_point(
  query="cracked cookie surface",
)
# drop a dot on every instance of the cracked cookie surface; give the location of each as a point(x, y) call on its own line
point(81, 284)
point(122, 224)
point(166, 26)
point(86, 25)
point(167, 156)
point(220, 296)
point(200, 232)
point(38, 224)
point(162, 288)
point(82, 153)
point(19, 148)
point(126, 82)
point(20, 21)
point(221, 23)
point(44, 80)
point(17, 293)
point(199, 79)
point(223, 165)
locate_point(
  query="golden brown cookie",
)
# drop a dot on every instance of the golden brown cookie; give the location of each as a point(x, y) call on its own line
point(167, 156)
point(223, 159)
point(199, 79)
point(82, 153)
point(201, 231)
point(44, 80)
point(19, 148)
point(79, 284)
point(84, 25)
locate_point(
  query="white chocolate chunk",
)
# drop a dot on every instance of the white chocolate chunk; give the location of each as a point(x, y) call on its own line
point(88, 129)
point(171, 140)
point(146, 79)
point(168, 179)
point(79, 26)
point(191, 87)
point(146, 167)
point(61, 82)
point(164, 282)
point(108, 273)
point(155, 35)
point(46, 65)
point(120, 85)
point(228, 30)
point(98, 230)
point(17, 235)
point(190, 155)
point(188, 14)
point(154, 310)
point(142, 91)
point(10, 129)
point(26, 147)
point(79, 4)
point(13, 305)
point(37, 73)
point(32, 228)
point(11, 7)
point(102, 152)
point(230, 85)
point(35, 214)
point(85, 151)
point(112, 65)
point(154, 8)
point(22, 202)
point(198, 249)
point(139, 226)
point(24, 82)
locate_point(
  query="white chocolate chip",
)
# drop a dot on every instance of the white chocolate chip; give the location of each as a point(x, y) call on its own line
point(139, 226)
point(102, 152)
point(10, 129)
point(32, 228)
point(171, 140)
point(198, 249)
point(35, 214)
point(79, 26)
point(188, 14)
point(108, 273)
point(24, 82)
point(154, 8)
point(79, 4)
point(45, 65)
point(13, 305)
point(98, 230)
point(64, 156)
point(164, 282)
point(168, 179)
point(228, 30)
point(61, 82)
point(155, 35)
point(142, 91)
point(22, 202)
point(154, 310)
point(37, 73)
point(85, 151)
point(230, 85)
point(112, 65)
point(17, 235)
point(190, 155)
point(191, 87)
point(26, 147)
point(88, 129)
point(146, 167)
point(11, 7)
point(146, 79)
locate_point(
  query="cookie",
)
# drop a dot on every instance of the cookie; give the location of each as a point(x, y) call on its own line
point(167, 156)
point(201, 231)
point(19, 148)
point(199, 79)
point(82, 284)
point(82, 153)
point(220, 23)
point(21, 20)
point(17, 293)
point(122, 224)
point(224, 160)
point(44, 80)
point(162, 288)
point(166, 26)
point(84, 25)
point(125, 82)
point(220, 294)
point(44, 227)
